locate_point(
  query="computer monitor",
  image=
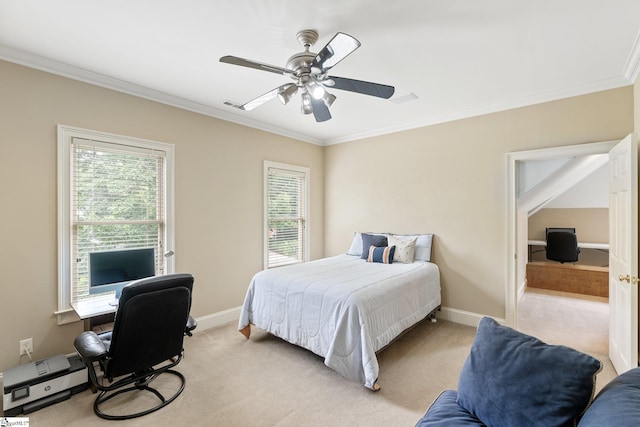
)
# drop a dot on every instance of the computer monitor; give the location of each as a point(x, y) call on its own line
point(110, 271)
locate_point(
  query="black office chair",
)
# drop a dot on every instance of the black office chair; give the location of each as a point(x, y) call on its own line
point(147, 340)
point(562, 246)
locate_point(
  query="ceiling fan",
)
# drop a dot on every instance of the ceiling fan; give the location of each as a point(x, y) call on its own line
point(309, 72)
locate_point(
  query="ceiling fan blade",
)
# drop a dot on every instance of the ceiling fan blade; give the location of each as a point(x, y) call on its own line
point(254, 103)
point(340, 46)
point(234, 60)
point(359, 86)
point(320, 110)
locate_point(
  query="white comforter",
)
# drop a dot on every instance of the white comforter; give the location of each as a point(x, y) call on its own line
point(342, 308)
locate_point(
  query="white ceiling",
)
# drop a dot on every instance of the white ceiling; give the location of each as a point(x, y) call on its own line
point(590, 192)
point(460, 58)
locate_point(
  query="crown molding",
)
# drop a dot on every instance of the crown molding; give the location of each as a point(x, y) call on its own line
point(632, 67)
point(533, 99)
point(48, 65)
point(629, 76)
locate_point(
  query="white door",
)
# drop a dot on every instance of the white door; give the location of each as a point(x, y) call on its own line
point(623, 254)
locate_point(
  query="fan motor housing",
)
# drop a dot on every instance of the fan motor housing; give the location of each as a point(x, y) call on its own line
point(301, 62)
point(307, 38)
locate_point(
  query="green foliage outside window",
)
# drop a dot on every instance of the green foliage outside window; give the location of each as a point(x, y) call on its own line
point(115, 206)
point(286, 222)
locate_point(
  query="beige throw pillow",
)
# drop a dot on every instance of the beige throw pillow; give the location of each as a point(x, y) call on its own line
point(405, 249)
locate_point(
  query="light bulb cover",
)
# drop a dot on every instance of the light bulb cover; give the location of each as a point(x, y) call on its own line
point(328, 98)
point(317, 91)
point(306, 107)
point(287, 92)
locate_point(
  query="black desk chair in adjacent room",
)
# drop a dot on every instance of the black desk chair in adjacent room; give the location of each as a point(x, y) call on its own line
point(562, 246)
point(146, 341)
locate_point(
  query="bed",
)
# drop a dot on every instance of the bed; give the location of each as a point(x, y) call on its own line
point(343, 308)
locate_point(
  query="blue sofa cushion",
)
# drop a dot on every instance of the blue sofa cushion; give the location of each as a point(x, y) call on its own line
point(617, 404)
point(513, 379)
point(445, 412)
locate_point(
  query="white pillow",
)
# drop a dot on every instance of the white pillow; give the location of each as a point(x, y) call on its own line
point(423, 245)
point(405, 248)
point(356, 244)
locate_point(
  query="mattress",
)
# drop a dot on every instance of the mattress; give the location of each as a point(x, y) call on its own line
point(342, 308)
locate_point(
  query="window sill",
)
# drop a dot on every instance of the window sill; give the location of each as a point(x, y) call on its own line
point(67, 316)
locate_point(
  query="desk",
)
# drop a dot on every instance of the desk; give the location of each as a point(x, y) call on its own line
point(579, 279)
point(94, 307)
point(586, 245)
point(582, 245)
point(97, 307)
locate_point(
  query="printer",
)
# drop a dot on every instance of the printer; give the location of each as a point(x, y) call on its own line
point(35, 385)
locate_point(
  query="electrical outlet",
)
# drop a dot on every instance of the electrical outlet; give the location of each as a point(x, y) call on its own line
point(26, 345)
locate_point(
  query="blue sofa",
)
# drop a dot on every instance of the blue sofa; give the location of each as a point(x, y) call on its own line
point(513, 379)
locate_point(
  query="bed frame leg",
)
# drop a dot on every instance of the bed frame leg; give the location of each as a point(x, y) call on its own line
point(246, 331)
point(434, 320)
point(375, 387)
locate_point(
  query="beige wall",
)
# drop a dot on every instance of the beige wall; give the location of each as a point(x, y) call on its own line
point(218, 188)
point(592, 225)
point(450, 179)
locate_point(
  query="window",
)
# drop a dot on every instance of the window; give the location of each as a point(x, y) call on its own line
point(286, 197)
point(113, 195)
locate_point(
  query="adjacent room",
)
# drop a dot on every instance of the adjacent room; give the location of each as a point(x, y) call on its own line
point(563, 297)
point(186, 185)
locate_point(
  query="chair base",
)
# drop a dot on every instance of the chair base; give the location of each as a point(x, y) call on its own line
point(140, 385)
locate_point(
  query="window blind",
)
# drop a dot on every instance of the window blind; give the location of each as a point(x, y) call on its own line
point(117, 202)
point(286, 216)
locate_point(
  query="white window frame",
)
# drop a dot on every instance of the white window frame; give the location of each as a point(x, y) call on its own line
point(66, 134)
point(298, 169)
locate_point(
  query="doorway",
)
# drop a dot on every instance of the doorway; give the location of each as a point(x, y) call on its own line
point(517, 240)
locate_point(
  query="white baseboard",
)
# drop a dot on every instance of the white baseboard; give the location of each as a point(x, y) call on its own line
point(218, 319)
point(463, 317)
point(521, 289)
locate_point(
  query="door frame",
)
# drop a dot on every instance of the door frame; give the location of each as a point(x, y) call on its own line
point(512, 159)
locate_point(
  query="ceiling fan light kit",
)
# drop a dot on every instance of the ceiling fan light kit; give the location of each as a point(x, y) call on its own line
point(286, 92)
point(309, 70)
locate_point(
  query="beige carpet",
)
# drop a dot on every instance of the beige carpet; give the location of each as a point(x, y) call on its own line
point(578, 321)
point(264, 381)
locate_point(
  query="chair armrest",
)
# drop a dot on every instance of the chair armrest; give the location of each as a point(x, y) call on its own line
point(191, 325)
point(90, 347)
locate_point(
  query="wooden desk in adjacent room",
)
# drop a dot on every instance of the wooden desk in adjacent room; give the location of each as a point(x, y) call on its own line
point(579, 279)
point(581, 245)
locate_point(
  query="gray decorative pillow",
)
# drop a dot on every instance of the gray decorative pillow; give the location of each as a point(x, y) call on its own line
point(405, 248)
point(369, 240)
point(512, 379)
point(356, 245)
